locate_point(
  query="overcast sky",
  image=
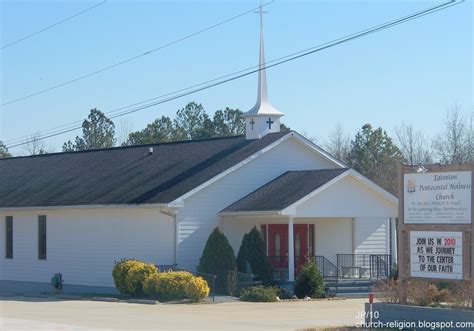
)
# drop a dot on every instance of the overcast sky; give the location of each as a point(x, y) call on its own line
point(410, 73)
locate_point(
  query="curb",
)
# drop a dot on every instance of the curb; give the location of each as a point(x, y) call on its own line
point(104, 299)
point(143, 301)
point(67, 297)
point(36, 295)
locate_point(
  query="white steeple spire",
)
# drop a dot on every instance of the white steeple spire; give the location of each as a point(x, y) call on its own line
point(263, 118)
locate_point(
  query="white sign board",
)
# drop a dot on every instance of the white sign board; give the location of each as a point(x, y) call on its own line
point(436, 254)
point(437, 197)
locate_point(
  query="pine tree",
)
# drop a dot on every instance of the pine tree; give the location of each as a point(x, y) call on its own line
point(218, 259)
point(253, 252)
point(98, 131)
point(217, 255)
point(310, 282)
point(374, 154)
point(4, 150)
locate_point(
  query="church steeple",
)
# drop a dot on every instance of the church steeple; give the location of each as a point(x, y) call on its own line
point(263, 118)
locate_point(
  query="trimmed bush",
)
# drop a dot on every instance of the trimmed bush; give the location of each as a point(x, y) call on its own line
point(197, 289)
point(253, 251)
point(259, 294)
point(130, 274)
point(175, 285)
point(310, 282)
point(119, 273)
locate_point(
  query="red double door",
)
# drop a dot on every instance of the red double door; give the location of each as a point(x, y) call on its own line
point(303, 235)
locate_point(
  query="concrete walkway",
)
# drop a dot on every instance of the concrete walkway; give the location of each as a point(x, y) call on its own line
point(17, 313)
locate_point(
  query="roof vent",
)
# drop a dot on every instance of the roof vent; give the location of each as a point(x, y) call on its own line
point(150, 150)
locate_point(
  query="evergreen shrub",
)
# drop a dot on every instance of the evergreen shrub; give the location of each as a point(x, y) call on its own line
point(310, 282)
point(259, 294)
point(253, 252)
point(218, 259)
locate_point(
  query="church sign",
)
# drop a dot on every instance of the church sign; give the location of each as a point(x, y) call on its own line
point(435, 228)
point(436, 254)
point(443, 197)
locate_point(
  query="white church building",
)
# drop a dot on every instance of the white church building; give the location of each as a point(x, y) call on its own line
point(79, 212)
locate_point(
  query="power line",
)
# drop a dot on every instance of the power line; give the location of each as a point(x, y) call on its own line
point(133, 57)
point(75, 123)
point(282, 60)
point(52, 25)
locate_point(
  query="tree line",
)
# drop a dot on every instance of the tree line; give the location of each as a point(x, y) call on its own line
point(376, 155)
point(371, 151)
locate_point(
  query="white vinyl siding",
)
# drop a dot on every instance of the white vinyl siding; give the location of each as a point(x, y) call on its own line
point(371, 235)
point(347, 198)
point(84, 244)
point(199, 215)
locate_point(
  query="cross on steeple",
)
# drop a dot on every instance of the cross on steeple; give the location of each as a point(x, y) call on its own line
point(261, 12)
point(269, 122)
point(256, 118)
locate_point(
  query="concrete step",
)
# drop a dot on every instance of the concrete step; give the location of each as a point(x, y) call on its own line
point(352, 284)
point(352, 295)
point(350, 288)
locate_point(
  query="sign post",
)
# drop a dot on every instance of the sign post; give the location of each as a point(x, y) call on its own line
point(436, 227)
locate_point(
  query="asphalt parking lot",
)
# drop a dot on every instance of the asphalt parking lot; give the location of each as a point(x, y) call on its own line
point(20, 313)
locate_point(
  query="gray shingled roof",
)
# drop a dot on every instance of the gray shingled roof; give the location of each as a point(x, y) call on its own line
point(284, 190)
point(122, 175)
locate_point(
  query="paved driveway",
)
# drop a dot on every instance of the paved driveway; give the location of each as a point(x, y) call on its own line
point(43, 314)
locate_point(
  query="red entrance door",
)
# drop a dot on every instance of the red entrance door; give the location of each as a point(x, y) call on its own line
point(301, 245)
point(278, 245)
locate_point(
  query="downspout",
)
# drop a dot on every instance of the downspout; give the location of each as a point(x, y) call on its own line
point(173, 213)
point(176, 232)
point(353, 234)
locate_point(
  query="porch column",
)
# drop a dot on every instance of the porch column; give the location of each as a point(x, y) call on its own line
point(291, 251)
point(393, 240)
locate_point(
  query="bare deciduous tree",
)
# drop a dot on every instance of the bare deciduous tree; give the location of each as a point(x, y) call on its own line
point(311, 138)
point(338, 143)
point(455, 144)
point(35, 145)
point(126, 128)
point(413, 144)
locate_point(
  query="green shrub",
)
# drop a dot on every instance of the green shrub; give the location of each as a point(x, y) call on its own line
point(253, 251)
point(218, 259)
point(197, 289)
point(217, 255)
point(310, 282)
point(130, 274)
point(259, 294)
point(175, 285)
point(119, 272)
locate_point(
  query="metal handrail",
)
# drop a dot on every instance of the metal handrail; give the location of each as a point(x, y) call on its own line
point(329, 270)
point(378, 265)
point(324, 264)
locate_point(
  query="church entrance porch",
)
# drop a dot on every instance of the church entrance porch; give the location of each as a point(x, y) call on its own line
point(335, 216)
point(341, 247)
